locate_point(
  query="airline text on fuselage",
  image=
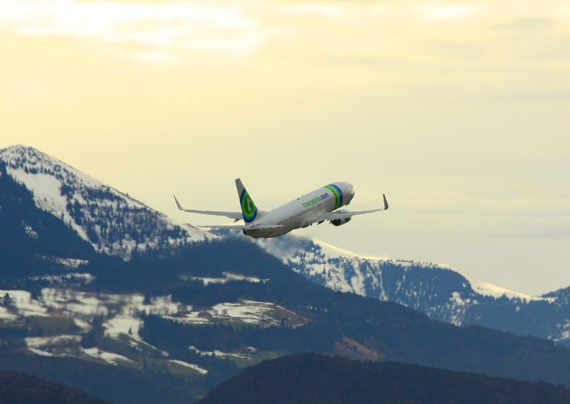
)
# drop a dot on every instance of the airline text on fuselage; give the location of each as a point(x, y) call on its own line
point(315, 200)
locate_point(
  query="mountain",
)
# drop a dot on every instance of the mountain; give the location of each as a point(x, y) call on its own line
point(108, 220)
point(315, 379)
point(90, 279)
point(442, 292)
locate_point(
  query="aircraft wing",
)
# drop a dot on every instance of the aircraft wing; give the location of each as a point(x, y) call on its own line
point(232, 215)
point(342, 215)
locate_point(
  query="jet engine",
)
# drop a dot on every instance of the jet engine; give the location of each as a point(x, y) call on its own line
point(340, 222)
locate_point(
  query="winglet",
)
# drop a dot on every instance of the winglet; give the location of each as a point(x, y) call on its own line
point(178, 203)
point(385, 202)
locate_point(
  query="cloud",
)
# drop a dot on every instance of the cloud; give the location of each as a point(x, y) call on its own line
point(528, 24)
point(435, 11)
point(158, 26)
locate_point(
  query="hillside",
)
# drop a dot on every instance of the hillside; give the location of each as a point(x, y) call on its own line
point(315, 379)
point(18, 388)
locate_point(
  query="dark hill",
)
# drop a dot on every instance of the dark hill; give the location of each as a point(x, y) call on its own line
point(114, 383)
point(19, 388)
point(313, 378)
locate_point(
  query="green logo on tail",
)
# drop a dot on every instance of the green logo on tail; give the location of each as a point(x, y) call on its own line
point(248, 209)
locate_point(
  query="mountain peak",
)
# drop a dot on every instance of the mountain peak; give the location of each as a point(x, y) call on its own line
point(20, 156)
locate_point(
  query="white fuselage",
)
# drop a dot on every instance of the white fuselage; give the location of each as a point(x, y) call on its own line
point(297, 213)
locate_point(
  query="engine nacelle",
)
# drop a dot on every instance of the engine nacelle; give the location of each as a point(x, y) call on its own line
point(340, 222)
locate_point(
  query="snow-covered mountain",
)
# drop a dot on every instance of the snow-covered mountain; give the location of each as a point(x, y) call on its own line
point(114, 223)
point(58, 298)
point(441, 291)
point(111, 221)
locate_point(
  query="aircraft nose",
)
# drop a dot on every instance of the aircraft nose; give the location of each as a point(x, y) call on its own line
point(350, 193)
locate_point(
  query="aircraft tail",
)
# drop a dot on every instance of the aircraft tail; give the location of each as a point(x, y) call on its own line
point(248, 208)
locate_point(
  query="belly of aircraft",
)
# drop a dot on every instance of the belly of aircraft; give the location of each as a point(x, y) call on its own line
point(269, 233)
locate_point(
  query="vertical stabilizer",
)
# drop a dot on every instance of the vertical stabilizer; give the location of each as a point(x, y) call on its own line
point(248, 208)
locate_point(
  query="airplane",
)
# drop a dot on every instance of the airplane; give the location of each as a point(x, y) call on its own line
point(315, 207)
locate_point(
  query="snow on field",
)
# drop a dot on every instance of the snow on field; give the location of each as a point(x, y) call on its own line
point(108, 357)
point(82, 324)
point(38, 345)
point(74, 302)
point(122, 311)
point(72, 263)
point(6, 315)
point(189, 365)
point(123, 325)
point(69, 277)
point(23, 304)
point(40, 352)
point(227, 278)
point(60, 340)
point(247, 311)
point(221, 354)
point(244, 311)
point(128, 322)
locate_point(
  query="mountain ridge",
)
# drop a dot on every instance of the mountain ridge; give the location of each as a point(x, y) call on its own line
point(441, 291)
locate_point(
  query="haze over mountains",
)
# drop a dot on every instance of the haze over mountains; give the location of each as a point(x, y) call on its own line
point(87, 274)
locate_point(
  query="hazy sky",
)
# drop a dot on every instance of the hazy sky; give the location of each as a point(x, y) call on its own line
point(459, 111)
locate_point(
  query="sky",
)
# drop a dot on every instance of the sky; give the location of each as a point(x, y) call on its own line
point(458, 111)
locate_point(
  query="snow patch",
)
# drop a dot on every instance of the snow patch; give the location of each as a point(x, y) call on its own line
point(228, 277)
point(189, 365)
point(60, 340)
point(244, 311)
point(22, 303)
point(108, 357)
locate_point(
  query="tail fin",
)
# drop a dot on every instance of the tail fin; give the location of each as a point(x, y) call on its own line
point(248, 208)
